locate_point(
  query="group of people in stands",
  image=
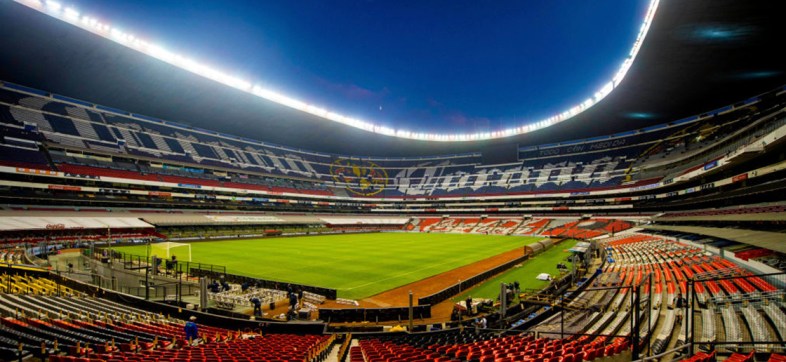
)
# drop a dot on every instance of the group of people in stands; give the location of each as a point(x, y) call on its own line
point(217, 287)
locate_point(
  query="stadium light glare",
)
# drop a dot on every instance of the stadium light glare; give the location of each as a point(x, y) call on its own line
point(71, 16)
point(53, 5)
point(36, 4)
point(117, 34)
point(603, 92)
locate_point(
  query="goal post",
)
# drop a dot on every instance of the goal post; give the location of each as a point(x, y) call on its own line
point(166, 249)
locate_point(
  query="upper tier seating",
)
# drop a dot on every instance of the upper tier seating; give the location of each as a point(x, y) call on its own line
point(574, 166)
point(108, 172)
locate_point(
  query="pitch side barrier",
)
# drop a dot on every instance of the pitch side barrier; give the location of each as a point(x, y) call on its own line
point(455, 289)
point(185, 269)
point(216, 272)
point(399, 314)
point(179, 312)
point(166, 309)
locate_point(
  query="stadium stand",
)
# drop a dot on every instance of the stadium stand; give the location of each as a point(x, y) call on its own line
point(200, 190)
point(176, 154)
point(77, 174)
point(636, 256)
point(519, 226)
point(64, 324)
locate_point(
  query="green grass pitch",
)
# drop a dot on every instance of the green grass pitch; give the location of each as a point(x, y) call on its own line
point(356, 265)
point(525, 274)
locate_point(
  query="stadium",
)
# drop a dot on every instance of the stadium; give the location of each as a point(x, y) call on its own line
point(142, 190)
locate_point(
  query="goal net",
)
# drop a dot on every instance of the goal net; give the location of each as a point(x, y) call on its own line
point(165, 250)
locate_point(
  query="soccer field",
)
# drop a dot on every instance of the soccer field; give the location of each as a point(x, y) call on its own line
point(356, 265)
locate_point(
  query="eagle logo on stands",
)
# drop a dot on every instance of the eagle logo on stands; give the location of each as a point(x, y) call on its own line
point(364, 178)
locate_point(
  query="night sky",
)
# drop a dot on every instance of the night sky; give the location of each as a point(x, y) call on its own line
point(419, 65)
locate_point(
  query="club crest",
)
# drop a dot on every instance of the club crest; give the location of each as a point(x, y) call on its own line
point(364, 178)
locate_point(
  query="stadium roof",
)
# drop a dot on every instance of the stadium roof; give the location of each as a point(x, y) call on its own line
point(698, 56)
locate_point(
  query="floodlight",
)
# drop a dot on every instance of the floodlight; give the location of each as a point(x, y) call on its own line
point(72, 14)
point(53, 5)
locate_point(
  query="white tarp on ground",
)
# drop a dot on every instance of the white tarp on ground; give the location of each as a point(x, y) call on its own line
point(543, 276)
point(76, 222)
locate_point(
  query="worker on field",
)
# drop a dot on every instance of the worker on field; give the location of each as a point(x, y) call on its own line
point(293, 301)
point(257, 306)
point(215, 287)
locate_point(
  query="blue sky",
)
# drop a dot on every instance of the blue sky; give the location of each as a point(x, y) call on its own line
point(422, 65)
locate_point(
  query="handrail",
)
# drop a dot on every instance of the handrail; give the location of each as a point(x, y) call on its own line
point(657, 356)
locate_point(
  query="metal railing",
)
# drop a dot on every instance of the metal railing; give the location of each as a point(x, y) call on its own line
point(751, 308)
